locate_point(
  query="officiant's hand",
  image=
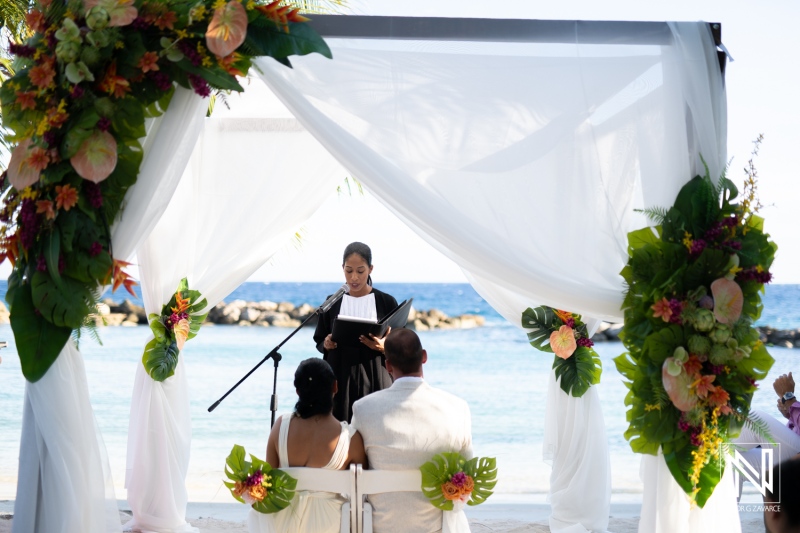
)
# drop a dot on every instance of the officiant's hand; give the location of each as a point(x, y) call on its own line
point(328, 343)
point(374, 343)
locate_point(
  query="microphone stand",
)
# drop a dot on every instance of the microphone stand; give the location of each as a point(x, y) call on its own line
point(276, 357)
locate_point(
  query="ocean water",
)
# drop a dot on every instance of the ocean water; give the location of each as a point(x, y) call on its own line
point(493, 368)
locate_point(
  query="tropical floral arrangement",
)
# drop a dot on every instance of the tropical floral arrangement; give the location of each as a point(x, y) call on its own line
point(693, 294)
point(179, 321)
point(256, 483)
point(85, 82)
point(449, 478)
point(564, 334)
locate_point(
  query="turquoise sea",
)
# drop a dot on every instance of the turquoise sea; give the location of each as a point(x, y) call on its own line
point(493, 368)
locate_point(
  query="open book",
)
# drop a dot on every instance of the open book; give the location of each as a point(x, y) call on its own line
point(347, 329)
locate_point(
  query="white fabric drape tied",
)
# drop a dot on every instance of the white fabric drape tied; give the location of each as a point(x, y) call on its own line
point(455, 521)
point(226, 219)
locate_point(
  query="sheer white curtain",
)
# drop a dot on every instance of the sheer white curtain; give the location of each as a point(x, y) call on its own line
point(250, 185)
point(521, 162)
point(64, 482)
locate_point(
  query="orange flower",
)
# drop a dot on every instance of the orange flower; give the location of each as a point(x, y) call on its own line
point(468, 486)
point(563, 342)
point(42, 75)
point(693, 365)
point(9, 249)
point(562, 315)
point(148, 62)
point(703, 386)
point(166, 20)
point(719, 396)
point(113, 84)
point(662, 309)
point(282, 15)
point(227, 29)
point(26, 100)
point(258, 492)
point(182, 303)
point(239, 488)
point(227, 63)
point(36, 21)
point(46, 207)
point(120, 277)
point(57, 116)
point(66, 197)
point(450, 491)
point(38, 159)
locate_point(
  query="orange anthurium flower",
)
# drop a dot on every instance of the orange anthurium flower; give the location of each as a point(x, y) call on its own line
point(227, 29)
point(728, 300)
point(96, 159)
point(182, 303)
point(20, 173)
point(679, 388)
point(46, 207)
point(66, 197)
point(563, 342)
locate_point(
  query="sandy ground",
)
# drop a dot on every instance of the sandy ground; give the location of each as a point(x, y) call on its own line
point(495, 518)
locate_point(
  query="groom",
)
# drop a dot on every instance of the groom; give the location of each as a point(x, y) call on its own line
point(403, 427)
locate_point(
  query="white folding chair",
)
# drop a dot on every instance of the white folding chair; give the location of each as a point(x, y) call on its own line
point(336, 481)
point(379, 482)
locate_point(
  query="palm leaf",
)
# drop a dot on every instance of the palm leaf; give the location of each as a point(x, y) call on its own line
point(760, 427)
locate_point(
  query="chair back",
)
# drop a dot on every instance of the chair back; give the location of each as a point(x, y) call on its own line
point(379, 482)
point(335, 481)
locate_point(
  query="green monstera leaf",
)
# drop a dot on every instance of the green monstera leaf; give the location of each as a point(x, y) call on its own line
point(540, 323)
point(579, 371)
point(38, 341)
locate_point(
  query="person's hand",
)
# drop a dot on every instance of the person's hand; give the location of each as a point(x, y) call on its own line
point(374, 343)
point(784, 384)
point(328, 343)
point(783, 408)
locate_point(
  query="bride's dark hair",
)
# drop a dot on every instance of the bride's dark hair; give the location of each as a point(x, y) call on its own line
point(314, 381)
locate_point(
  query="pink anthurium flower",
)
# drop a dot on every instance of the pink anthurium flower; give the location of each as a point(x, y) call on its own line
point(227, 29)
point(96, 159)
point(181, 331)
point(563, 342)
point(728, 300)
point(678, 387)
point(120, 12)
point(21, 173)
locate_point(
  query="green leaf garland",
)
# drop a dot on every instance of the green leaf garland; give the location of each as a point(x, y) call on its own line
point(693, 358)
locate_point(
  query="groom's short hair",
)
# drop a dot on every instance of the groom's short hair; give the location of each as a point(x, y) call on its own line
point(404, 350)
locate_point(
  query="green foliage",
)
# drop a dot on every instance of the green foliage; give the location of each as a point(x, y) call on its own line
point(671, 270)
point(442, 467)
point(282, 485)
point(541, 323)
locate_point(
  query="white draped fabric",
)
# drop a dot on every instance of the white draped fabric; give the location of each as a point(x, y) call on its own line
point(521, 162)
point(226, 219)
point(64, 482)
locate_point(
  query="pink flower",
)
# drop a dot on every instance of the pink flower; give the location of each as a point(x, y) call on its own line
point(728, 300)
point(96, 159)
point(20, 173)
point(563, 342)
point(678, 387)
point(227, 29)
point(121, 12)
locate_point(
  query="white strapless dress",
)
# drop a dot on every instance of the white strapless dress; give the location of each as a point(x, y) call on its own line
point(309, 512)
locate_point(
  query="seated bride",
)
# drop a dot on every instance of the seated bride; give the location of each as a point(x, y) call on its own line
point(310, 437)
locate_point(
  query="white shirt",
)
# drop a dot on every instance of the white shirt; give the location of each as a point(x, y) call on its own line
point(361, 307)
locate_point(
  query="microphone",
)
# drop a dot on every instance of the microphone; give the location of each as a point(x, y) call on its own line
point(335, 297)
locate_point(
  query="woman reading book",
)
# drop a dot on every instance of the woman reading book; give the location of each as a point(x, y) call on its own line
point(359, 364)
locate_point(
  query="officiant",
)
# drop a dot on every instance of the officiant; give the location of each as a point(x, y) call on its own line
point(359, 365)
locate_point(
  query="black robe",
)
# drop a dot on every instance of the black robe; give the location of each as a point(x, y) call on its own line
point(359, 370)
